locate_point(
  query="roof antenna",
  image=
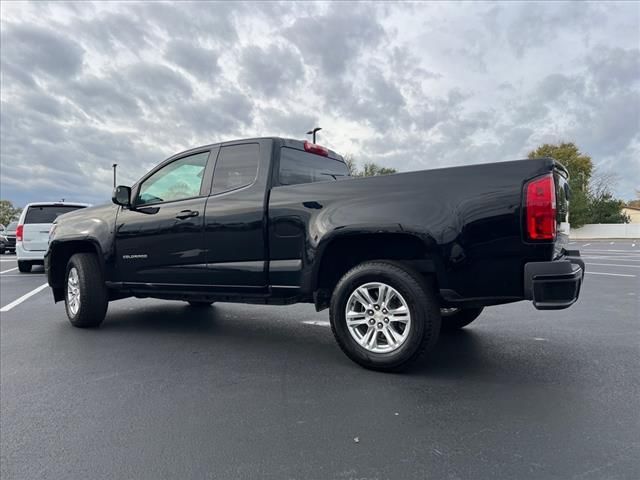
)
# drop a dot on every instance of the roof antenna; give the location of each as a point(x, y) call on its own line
point(313, 132)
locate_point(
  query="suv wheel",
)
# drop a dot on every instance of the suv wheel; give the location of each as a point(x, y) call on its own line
point(86, 297)
point(456, 318)
point(23, 266)
point(384, 315)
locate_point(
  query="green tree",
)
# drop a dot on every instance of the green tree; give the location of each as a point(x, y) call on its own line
point(591, 198)
point(580, 168)
point(603, 207)
point(369, 169)
point(8, 212)
point(606, 209)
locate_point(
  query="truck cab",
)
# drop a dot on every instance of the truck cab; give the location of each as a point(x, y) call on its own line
point(278, 221)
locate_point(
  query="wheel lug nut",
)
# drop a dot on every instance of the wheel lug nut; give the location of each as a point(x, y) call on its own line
point(370, 312)
point(386, 320)
point(372, 321)
point(377, 307)
point(379, 325)
point(384, 310)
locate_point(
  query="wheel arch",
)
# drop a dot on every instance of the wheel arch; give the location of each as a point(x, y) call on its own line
point(342, 251)
point(59, 254)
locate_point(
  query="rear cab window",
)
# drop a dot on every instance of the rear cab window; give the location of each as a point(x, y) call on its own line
point(298, 166)
point(47, 213)
point(237, 167)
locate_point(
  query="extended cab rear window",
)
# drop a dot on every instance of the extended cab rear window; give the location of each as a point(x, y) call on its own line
point(47, 213)
point(298, 166)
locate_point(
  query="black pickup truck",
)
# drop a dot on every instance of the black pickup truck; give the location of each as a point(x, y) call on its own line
point(395, 258)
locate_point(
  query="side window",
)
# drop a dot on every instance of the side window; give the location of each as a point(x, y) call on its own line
point(177, 180)
point(237, 166)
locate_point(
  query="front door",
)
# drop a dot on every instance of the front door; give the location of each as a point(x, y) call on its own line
point(160, 240)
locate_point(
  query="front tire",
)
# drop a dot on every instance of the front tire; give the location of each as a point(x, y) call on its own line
point(384, 315)
point(86, 299)
point(24, 267)
point(454, 319)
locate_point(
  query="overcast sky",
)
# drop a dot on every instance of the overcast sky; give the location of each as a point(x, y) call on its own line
point(409, 86)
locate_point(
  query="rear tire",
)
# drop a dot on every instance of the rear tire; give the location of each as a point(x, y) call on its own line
point(199, 304)
point(462, 317)
point(86, 298)
point(24, 267)
point(380, 336)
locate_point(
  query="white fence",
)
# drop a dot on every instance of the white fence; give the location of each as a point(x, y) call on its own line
point(606, 230)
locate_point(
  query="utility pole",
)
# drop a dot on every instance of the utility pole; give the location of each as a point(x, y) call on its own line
point(313, 132)
point(115, 166)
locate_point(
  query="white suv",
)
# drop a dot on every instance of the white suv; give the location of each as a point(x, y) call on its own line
point(32, 233)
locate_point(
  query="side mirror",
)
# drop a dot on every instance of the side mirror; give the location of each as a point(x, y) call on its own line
point(122, 196)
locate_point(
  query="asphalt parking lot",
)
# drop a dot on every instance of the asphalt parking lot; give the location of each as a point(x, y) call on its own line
point(163, 391)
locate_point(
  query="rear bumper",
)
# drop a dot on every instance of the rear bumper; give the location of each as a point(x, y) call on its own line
point(554, 285)
point(36, 256)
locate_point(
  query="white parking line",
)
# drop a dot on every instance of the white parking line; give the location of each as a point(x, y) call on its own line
point(622, 258)
point(26, 296)
point(319, 323)
point(613, 265)
point(586, 244)
point(6, 260)
point(10, 270)
point(611, 274)
point(602, 250)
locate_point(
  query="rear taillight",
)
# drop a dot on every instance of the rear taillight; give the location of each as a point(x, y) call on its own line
point(315, 148)
point(540, 208)
point(19, 234)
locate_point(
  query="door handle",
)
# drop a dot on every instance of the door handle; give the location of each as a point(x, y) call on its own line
point(187, 213)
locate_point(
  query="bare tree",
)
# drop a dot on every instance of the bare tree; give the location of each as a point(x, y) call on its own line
point(369, 169)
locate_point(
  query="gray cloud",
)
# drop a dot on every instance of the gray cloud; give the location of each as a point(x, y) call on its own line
point(113, 32)
point(336, 38)
point(287, 123)
point(201, 62)
point(614, 67)
point(272, 70)
point(155, 84)
point(224, 114)
point(408, 86)
point(103, 98)
point(200, 21)
point(32, 49)
point(543, 23)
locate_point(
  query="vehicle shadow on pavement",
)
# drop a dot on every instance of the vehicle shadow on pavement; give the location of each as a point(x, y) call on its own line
point(494, 356)
point(472, 353)
point(173, 318)
point(35, 270)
